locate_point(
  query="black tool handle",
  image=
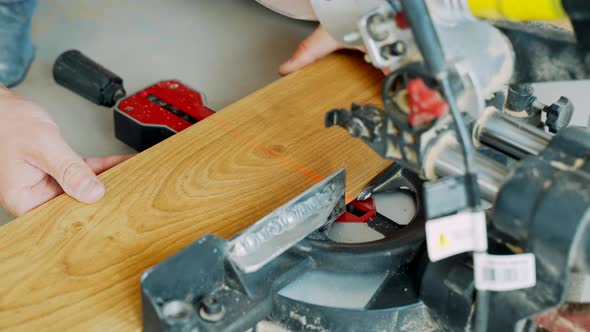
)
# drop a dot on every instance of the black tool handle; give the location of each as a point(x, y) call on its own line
point(80, 74)
point(579, 13)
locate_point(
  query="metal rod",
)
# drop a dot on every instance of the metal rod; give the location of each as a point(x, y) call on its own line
point(490, 174)
point(510, 136)
point(501, 132)
point(430, 46)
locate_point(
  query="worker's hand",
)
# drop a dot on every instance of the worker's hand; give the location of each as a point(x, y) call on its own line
point(318, 45)
point(36, 164)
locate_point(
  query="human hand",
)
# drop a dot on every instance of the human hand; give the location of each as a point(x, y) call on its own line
point(36, 164)
point(315, 47)
point(318, 45)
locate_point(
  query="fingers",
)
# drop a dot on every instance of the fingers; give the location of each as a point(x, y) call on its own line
point(36, 163)
point(39, 194)
point(47, 188)
point(99, 165)
point(74, 176)
point(316, 46)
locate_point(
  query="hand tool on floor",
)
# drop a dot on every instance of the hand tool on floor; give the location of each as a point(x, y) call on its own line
point(143, 118)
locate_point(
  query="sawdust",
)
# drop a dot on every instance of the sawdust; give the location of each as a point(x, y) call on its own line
point(565, 167)
point(311, 326)
point(266, 326)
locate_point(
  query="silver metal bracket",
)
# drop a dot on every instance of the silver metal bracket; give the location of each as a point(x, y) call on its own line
point(284, 227)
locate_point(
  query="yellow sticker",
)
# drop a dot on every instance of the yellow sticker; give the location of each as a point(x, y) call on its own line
point(442, 241)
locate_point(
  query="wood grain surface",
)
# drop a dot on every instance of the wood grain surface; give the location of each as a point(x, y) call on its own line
point(71, 266)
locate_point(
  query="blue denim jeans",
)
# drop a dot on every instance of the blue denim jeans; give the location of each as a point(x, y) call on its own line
point(16, 48)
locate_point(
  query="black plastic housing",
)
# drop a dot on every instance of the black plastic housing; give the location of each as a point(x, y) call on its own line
point(82, 75)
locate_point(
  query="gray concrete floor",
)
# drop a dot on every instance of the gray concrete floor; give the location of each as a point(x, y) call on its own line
point(225, 48)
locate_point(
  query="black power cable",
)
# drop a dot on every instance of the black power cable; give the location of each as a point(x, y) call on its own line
point(429, 44)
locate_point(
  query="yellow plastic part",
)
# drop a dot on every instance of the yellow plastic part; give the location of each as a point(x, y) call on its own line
point(518, 10)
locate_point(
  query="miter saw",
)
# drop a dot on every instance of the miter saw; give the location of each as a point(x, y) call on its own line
point(501, 231)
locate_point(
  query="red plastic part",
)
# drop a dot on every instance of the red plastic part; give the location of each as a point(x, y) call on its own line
point(146, 112)
point(558, 321)
point(426, 104)
point(401, 21)
point(364, 211)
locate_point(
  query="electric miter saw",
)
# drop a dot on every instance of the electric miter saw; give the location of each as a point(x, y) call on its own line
point(501, 188)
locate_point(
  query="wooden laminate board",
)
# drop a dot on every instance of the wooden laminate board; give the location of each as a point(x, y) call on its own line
point(67, 265)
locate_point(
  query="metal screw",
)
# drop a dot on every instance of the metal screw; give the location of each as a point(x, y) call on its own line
point(211, 309)
point(377, 27)
point(129, 108)
point(398, 48)
point(119, 94)
point(177, 310)
point(356, 128)
point(173, 86)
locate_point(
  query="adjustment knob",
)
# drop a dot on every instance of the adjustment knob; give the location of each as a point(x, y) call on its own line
point(559, 114)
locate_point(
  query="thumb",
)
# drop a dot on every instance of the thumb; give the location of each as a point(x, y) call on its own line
point(316, 46)
point(70, 171)
point(102, 164)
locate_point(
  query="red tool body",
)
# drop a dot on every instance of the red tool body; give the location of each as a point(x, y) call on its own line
point(158, 112)
point(359, 212)
point(142, 119)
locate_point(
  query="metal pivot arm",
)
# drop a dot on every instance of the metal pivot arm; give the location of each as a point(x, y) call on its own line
point(507, 135)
